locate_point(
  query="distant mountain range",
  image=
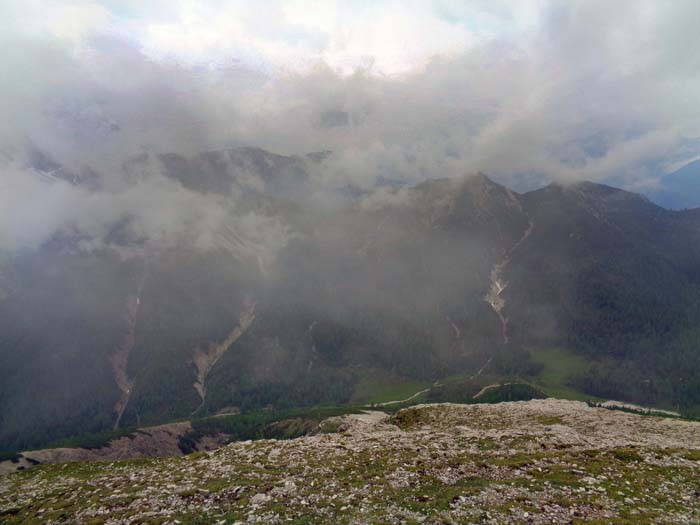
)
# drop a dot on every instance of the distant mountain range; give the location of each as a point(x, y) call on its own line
point(679, 189)
point(452, 277)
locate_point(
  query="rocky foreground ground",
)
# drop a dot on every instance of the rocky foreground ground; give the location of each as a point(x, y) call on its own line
point(541, 461)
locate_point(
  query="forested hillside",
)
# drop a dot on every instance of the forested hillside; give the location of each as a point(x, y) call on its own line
point(412, 284)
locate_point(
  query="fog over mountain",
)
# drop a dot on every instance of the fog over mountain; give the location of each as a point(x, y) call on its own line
point(227, 206)
point(528, 92)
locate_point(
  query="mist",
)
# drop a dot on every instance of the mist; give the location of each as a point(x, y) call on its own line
point(246, 205)
point(528, 93)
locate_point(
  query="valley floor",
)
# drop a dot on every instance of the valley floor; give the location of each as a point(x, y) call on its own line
point(540, 461)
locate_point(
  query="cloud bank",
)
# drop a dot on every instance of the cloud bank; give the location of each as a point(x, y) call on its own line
point(528, 92)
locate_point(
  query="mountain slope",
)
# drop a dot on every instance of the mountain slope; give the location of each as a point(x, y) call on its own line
point(616, 277)
point(443, 279)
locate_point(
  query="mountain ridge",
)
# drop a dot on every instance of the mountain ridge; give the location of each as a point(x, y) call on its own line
point(679, 189)
point(426, 282)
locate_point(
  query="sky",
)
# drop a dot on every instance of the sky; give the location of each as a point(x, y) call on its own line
point(527, 92)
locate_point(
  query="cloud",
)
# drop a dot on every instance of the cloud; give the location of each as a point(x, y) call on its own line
point(392, 37)
point(153, 213)
point(538, 91)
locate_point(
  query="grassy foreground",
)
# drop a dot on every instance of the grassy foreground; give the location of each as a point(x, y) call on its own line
point(543, 461)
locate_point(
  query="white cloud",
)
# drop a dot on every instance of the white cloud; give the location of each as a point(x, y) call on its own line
point(71, 21)
point(398, 90)
point(390, 37)
point(153, 210)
